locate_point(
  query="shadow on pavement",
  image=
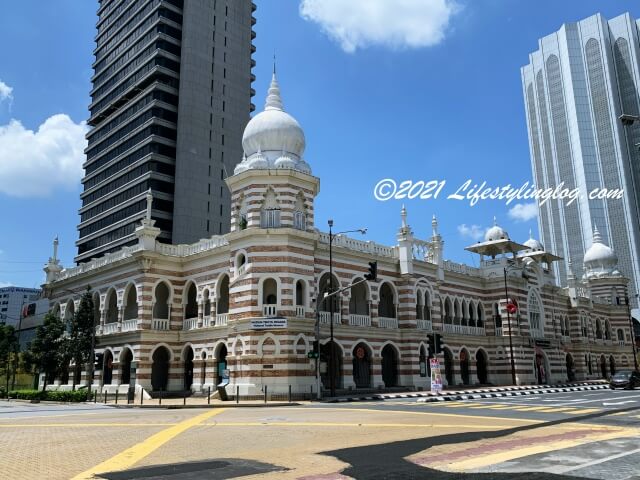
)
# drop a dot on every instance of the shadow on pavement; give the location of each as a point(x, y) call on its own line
point(387, 461)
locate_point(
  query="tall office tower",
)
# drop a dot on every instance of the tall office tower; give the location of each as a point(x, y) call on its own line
point(577, 84)
point(172, 89)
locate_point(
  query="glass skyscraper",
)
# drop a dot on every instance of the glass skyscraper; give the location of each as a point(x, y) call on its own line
point(171, 95)
point(576, 85)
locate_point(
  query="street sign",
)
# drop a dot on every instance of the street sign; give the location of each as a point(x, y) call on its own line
point(268, 323)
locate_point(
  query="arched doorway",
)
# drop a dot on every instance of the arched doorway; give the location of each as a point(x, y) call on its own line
point(448, 366)
point(425, 368)
point(188, 368)
point(389, 366)
point(160, 369)
point(481, 367)
point(326, 364)
point(125, 364)
point(362, 366)
point(541, 367)
point(221, 357)
point(612, 365)
point(107, 368)
point(571, 369)
point(603, 366)
point(464, 367)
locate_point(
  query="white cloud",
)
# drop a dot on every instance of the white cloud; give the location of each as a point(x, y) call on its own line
point(523, 212)
point(35, 164)
point(6, 92)
point(391, 23)
point(475, 232)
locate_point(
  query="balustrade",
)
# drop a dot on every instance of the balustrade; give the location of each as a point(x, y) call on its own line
point(385, 322)
point(359, 320)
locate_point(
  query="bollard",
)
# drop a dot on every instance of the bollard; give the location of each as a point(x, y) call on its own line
point(160, 397)
point(289, 393)
point(237, 394)
point(184, 398)
point(95, 397)
point(105, 397)
point(265, 394)
point(141, 396)
point(209, 396)
point(116, 396)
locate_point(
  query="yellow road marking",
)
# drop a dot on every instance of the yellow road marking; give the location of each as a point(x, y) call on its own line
point(455, 415)
point(50, 416)
point(586, 410)
point(462, 404)
point(93, 425)
point(319, 424)
point(495, 407)
point(492, 459)
point(532, 409)
point(133, 455)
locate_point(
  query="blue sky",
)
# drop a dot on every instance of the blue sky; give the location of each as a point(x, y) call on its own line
point(424, 95)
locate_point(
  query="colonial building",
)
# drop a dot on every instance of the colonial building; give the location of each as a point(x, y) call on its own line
point(245, 305)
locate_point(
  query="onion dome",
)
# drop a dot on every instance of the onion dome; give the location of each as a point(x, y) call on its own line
point(495, 233)
point(600, 259)
point(533, 245)
point(274, 136)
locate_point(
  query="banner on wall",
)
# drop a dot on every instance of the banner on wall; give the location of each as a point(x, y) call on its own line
point(436, 375)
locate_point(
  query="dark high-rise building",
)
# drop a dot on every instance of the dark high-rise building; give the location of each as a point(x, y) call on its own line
point(172, 89)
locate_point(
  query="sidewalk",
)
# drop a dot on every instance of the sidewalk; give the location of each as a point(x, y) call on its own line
point(467, 394)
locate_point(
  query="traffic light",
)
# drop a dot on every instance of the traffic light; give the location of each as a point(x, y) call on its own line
point(372, 276)
point(315, 352)
point(437, 343)
point(432, 345)
point(97, 361)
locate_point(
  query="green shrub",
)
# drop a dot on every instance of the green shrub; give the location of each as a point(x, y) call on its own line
point(56, 396)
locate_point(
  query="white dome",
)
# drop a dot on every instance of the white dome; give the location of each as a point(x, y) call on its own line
point(273, 138)
point(495, 233)
point(533, 244)
point(599, 253)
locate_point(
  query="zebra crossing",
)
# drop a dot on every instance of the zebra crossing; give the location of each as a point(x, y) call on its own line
point(498, 406)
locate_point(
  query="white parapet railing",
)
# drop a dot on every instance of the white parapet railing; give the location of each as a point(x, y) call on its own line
point(207, 322)
point(324, 318)
point(242, 269)
point(498, 331)
point(160, 324)
point(110, 328)
point(360, 245)
point(269, 310)
point(222, 319)
point(185, 250)
point(464, 329)
point(359, 320)
point(425, 325)
point(130, 325)
point(385, 322)
point(300, 311)
point(621, 343)
point(190, 324)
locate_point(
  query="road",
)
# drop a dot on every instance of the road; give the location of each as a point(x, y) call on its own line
point(558, 436)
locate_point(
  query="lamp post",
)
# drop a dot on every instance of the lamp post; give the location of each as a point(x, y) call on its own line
point(506, 293)
point(332, 379)
point(633, 337)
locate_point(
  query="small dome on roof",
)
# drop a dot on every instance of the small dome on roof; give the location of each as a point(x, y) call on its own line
point(533, 244)
point(495, 233)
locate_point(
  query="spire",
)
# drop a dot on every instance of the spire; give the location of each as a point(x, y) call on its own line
point(274, 102)
point(596, 235)
point(403, 214)
point(149, 203)
point(434, 225)
point(54, 259)
point(495, 221)
point(530, 235)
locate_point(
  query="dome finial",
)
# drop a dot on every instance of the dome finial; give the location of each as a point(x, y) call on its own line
point(495, 221)
point(274, 101)
point(434, 225)
point(403, 214)
point(530, 235)
point(596, 235)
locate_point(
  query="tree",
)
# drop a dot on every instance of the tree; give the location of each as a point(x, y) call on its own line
point(79, 345)
point(8, 350)
point(46, 353)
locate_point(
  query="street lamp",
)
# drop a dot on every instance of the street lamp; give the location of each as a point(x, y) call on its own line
point(633, 337)
point(332, 380)
point(509, 308)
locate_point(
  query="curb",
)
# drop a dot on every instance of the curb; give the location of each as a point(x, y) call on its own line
point(472, 394)
point(233, 405)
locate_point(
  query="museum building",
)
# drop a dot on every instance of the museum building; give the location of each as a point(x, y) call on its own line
point(247, 306)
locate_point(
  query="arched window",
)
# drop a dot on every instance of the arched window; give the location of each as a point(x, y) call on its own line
point(270, 292)
point(607, 330)
point(222, 305)
point(300, 293)
point(472, 315)
point(480, 318)
point(359, 301)
point(419, 305)
point(190, 302)
point(161, 303)
point(112, 307)
point(447, 311)
point(131, 303)
point(270, 212)
point(535, 315)
point(620, 336)
point(326, 285)
point(207, 303)
point(427, 305)
point(386, 307)
point(457, 317)
point(584, 328)
point(598, 329)
point(299, 215)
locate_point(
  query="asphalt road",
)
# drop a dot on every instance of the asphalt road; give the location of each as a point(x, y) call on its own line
point(593, 435)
